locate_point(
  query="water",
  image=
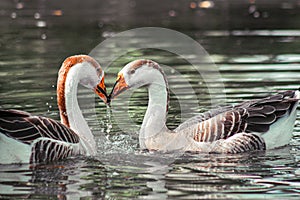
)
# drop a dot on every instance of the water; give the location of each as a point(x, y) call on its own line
point(37, 36)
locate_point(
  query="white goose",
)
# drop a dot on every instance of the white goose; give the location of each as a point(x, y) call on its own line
point(252, 125)
point(30, 139)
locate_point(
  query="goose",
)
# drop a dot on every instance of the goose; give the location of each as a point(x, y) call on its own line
point(260, 124)
point(25, 138)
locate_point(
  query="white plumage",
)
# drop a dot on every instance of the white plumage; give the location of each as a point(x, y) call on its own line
point(25, 138)
point(252, 125)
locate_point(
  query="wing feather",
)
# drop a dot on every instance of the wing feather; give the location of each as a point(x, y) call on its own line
point(26, 128)
point(239, 143)
point(250, 116)
point(47, 149)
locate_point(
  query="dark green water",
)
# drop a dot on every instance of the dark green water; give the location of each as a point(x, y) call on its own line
point(255, 55)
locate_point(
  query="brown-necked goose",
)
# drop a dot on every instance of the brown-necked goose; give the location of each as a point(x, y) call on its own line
point(25, 138)
point(252, 125)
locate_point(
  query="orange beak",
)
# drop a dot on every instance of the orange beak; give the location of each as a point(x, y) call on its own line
point(119, 87)
point(100, 90)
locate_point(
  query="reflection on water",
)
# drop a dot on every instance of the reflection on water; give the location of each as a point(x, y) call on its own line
point(206, 176)
point(38, 35)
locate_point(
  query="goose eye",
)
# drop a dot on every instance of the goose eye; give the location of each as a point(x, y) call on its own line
point(132, 71)
point(98, 72)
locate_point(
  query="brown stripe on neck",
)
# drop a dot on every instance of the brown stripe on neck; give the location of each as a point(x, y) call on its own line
point(61, 82)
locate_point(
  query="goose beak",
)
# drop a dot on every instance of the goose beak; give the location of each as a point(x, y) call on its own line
point(119, 87)
point(100, 90)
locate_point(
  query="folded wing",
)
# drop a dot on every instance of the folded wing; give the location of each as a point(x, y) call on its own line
point(251, 116)
point(26, 128)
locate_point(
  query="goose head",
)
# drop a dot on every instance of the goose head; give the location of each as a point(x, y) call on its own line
point(136, 74)
point(87, 71)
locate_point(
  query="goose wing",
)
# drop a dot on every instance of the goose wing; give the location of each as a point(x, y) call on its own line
point(47, 149)
point(26, 128)
point(202, 117)
point(250, 116)
point(239, 143)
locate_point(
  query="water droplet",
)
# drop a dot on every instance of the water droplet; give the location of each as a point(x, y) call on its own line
point(252, 9)
point(41, 24)
point(44, 36)
point(256, 14)
point(109, 127)
point(19, 5)
point(115, 173)
point(172, 13)
point(206, 4)
point(37, 15)
point(47, 103)
point(51, 98)
point(193, 5)
point(53, 86)
point(107, 34)
point(57, 12)
point(13, 15)
point(50, 106)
